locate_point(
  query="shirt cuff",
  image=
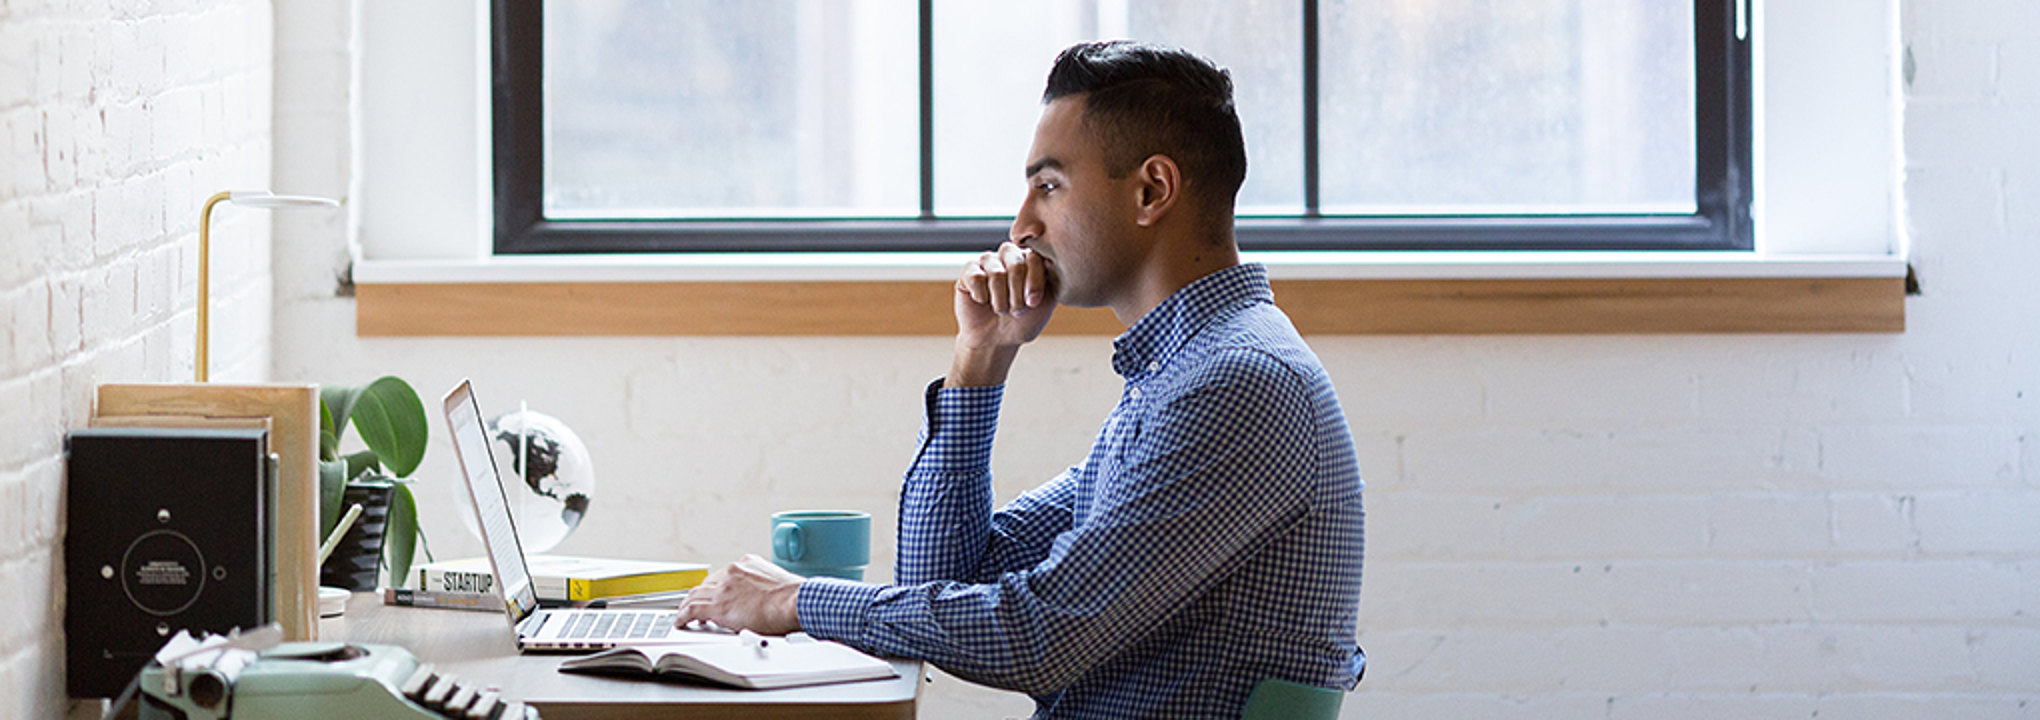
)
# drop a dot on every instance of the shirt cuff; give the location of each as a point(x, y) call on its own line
point(960, 425)
point(833, 609)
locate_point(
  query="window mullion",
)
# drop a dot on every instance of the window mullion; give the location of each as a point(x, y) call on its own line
point(927, 38)
point(1310, 109)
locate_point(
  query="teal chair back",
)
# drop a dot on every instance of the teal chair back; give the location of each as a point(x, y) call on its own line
point(1284, 700)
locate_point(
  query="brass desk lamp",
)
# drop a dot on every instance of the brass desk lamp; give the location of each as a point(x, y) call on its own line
point(246, 198)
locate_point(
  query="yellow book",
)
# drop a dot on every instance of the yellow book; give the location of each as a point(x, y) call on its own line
point(567, 578)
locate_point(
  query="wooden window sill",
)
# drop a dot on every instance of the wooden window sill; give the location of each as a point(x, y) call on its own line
point(638, 298)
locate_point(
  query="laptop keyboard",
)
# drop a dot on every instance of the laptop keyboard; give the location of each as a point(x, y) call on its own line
point(620, 626)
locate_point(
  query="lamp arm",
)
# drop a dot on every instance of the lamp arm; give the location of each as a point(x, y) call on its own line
point(204, 270)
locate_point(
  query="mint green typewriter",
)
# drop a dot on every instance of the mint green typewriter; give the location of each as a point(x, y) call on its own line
point(321, 680)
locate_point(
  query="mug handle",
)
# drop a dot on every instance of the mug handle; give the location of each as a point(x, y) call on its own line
point(786, 542)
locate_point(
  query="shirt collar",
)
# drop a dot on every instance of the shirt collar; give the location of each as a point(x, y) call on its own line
point(1162, 331)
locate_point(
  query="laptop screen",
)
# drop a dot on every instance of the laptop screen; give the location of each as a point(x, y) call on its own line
point(492, 507)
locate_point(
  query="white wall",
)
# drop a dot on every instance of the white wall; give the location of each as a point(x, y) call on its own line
point(116, 123)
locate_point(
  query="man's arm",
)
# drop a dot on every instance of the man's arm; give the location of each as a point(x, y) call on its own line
point(1224, 470)
point(947, 528)
point(1002, 300)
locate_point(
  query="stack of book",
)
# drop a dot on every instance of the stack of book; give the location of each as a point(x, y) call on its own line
point(558, 579)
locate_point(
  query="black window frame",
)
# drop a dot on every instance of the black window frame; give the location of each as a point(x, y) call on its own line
point(1720, 222)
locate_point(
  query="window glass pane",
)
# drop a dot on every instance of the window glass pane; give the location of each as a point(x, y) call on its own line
point(731, 108)
point(1506, 106)
point(992, 60)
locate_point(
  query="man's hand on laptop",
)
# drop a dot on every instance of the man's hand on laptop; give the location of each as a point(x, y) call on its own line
point(750, 594)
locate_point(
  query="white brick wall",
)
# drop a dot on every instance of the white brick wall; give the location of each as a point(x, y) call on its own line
point(116, 121)
point(1562, 527)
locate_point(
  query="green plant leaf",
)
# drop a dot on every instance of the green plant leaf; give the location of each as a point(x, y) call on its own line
point(329, 440)
point(400, 534)
point(361, 462)
point(339, 403)
point(332, 490)
point(391, 420)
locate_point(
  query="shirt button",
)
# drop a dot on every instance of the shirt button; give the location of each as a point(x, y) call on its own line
point(1153, 366)
point(1136, 393)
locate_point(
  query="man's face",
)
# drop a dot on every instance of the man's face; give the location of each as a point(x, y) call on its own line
point(1076, 216)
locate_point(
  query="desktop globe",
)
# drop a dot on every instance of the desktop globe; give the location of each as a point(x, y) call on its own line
point(557, 478)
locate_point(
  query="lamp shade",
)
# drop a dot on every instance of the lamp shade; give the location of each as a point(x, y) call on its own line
point(266, 199)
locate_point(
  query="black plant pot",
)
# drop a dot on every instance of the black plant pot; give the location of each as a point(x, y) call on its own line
point(356, 560)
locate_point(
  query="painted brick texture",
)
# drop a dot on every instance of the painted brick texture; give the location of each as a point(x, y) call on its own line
point(116, 121)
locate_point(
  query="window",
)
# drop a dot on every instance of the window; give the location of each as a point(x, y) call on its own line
point(795, 125)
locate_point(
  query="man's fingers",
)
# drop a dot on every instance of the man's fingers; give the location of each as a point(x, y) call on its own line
point(1018, 274)
point(972, 282)
point(700, 601)
point(691, 609)
point(1037, 279)
point(997, 291)
point(1008, 281)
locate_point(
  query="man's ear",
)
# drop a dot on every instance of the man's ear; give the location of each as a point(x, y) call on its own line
point(1161, 185)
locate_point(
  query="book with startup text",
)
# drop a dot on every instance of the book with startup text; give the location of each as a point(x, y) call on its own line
point(408, 597)
point(746, 661)
point(565, 578)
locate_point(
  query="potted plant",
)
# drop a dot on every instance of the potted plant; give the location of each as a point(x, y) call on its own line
point(390, 420)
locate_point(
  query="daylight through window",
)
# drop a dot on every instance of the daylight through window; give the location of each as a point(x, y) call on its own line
point(687, 125)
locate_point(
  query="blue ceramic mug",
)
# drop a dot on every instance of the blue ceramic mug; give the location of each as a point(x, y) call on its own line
point(831, 543)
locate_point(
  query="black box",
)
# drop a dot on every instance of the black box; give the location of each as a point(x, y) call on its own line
point(167, 529)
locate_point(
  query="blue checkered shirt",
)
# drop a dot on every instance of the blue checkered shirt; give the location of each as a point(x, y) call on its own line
point(1210, 540)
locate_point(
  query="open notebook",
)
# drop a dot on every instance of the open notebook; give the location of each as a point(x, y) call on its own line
point(753, 662)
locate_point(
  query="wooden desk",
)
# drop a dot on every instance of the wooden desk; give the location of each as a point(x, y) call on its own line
point(478, 647)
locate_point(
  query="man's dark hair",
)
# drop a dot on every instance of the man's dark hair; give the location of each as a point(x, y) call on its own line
point(1143, 100)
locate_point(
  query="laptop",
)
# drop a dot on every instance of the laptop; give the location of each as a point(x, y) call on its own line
point(540, 629)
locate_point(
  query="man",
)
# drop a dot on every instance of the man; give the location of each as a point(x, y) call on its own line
point(1212, 538)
